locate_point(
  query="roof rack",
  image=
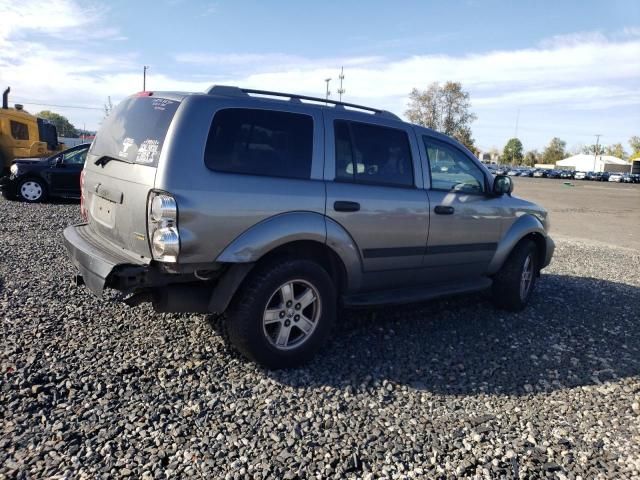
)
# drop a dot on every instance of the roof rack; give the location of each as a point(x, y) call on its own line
point(244, 92)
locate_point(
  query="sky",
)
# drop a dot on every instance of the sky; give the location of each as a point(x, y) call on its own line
point(569, 69)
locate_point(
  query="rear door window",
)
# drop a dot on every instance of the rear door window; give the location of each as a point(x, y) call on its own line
point(260, 142)
point(372, 154)
point(135, 130)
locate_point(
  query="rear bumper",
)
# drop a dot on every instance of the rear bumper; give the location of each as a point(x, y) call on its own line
point(94, 259)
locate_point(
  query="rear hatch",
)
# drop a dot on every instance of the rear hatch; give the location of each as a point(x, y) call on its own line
point(121, 166)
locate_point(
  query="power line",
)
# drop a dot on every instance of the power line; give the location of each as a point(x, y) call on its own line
point(39, 104)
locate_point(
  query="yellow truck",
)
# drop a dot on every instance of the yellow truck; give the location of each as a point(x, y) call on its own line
point(23, 135)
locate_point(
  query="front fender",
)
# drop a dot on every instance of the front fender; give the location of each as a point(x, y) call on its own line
point(286, 228)
point(523, 226)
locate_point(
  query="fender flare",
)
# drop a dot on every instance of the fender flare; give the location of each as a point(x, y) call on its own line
point(285, 228)
point(522, 227)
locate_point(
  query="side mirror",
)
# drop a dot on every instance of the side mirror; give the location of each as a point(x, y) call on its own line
point(57, 161)
point(502, 184)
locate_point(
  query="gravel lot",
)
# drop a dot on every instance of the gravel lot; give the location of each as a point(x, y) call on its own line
point(93, 389)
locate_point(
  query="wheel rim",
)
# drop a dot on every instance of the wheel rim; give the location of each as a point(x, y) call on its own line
point(526, 279)
point(291, 314)
point(31, 190)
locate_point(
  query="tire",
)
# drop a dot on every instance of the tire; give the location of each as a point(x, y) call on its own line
point(511, 291)
point(266, 329)
point(32, 190)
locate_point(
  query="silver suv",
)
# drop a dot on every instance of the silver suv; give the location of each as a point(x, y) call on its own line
point(278, 209)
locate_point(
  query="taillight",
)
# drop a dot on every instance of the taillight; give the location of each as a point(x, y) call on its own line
point(162, 226)
point(83, 209)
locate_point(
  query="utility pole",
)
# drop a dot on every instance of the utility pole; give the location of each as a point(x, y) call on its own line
point(327, 80)
point(595, 152)
point(341, 77)
point(144, 77)
point(517, 119)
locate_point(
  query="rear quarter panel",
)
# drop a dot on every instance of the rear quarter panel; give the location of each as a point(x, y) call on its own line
point(215, 208)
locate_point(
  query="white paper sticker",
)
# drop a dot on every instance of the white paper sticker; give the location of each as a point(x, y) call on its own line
point(148, 151)
point(126, 144)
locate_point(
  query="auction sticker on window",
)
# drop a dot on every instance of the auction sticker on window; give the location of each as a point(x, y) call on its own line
point(148, 151)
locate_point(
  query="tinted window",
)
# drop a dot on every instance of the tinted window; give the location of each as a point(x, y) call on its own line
point(372, 154)
point(260, 142)
point(75, 157)
point(135, 130)
point(19, 130)
point(451, 169)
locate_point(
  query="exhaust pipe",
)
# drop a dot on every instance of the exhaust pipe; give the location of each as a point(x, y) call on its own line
point(5, 98)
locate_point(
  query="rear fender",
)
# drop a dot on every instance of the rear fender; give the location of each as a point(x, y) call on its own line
point(285, 228)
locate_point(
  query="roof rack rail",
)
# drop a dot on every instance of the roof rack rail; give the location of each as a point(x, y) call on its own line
point(237, 91)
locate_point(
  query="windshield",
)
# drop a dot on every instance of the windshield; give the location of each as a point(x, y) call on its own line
point(135, 130)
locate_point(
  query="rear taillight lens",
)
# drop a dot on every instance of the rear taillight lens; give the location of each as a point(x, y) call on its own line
point(83, 207)
point(162, 225)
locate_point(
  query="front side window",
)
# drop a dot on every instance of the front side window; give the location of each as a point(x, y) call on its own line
point(19, 130)
point(452, 170)
point(372, 154)
point(260, 142)
point(75, 157)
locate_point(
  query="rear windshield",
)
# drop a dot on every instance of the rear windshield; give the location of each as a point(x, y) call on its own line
point(135, 130)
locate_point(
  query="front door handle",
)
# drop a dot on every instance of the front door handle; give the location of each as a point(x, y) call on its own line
point(443, 210)
point(343, 206)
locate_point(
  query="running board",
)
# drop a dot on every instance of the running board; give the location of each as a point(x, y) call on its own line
point(419, 293)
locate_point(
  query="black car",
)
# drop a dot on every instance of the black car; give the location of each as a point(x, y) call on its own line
point(35, 179)
point(553, 174)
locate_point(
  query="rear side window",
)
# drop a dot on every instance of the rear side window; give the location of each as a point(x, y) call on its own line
point(135, 130)
point(260, 142)
point(372, 154)
point(19, 130)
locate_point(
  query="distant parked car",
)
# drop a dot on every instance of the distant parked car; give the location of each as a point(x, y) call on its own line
point(593, 176)
point(540, 174)
point(604, 176)
point(566, 174)
point(553, 174)
point(513, 173)
point(627, 178)
point(35, 179)
point(615, 177)
point(580, 175)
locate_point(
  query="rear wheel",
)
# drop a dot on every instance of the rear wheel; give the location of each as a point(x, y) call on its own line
point(283, 313)
point(32, 190)
point(514, 283)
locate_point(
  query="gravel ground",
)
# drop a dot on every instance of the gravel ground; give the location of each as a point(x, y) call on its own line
point(93, 389)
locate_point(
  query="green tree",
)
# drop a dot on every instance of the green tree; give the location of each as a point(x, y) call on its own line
point(531, 158)
point(555, 151)
point(512, 152)
point(634, 142)
point(593, 149)
point(616, 150)
point(446, 109)
point(63, 125)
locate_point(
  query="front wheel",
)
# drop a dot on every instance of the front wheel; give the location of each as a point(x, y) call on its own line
point(32, 190)
point(514, 283)
point(283, 313)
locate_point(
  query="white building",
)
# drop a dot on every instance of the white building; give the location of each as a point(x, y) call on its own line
point(588, 163)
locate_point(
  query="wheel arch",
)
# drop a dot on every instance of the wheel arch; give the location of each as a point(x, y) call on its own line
point(526, 227)
point(291, 235)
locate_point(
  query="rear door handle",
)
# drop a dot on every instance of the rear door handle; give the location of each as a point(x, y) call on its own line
point(443, 210)
point(343, 206)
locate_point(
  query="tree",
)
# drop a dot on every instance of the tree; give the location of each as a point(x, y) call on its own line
point(616, 150)
point(512, 152)
point(531, 158)
point(634, 142)
point(594, 149)
point(445, 108)
point(63, 125)
point(555, 151)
